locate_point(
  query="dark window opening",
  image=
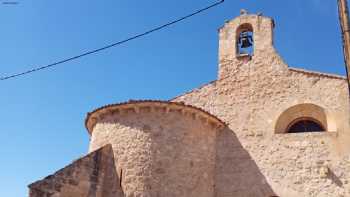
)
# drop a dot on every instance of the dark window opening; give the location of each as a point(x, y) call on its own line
point(305, 125)
point(245, 44)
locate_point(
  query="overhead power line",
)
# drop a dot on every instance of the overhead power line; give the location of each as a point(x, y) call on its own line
point(111, 45)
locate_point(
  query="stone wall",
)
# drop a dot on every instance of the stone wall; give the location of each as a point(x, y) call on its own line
point(251, 105)
point(171, 149)
point(161, 149)
point(250, 95)
point(91, 176)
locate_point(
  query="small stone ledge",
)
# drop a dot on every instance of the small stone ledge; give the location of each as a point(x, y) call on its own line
point(307, 135)
point(147, 106)
point(244, 57)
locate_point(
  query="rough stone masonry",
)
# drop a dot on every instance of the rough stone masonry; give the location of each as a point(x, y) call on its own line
point(230, 137)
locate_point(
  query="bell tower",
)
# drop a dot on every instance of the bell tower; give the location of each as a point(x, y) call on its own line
point(245, 39)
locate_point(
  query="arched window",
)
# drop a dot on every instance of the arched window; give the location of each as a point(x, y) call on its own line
point(245, 40)
point(305, 125)
point(305, 117)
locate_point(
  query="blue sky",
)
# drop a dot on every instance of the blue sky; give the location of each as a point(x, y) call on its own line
point(42, 120)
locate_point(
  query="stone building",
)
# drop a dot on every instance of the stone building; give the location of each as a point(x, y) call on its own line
point(261, 129)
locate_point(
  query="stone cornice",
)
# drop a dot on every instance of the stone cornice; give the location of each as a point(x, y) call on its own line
point(334, 76)
point(247, 16)
point(135, 105)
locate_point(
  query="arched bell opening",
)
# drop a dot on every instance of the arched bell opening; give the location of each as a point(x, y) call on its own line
point(245, 40)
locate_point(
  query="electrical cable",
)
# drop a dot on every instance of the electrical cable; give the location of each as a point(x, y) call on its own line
point(111, 45)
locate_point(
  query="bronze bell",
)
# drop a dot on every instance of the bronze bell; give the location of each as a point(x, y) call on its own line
point(245, 40)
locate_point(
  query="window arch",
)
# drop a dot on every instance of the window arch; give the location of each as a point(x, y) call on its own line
point(245, 40)
point(304, 117)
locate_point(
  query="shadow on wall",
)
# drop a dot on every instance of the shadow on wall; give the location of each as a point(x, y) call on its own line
point(92, 175)
point(236, 172)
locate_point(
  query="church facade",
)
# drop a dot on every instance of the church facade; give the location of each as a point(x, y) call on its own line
point(261, 129)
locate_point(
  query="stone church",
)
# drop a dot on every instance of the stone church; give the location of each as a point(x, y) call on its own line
point(261, 129)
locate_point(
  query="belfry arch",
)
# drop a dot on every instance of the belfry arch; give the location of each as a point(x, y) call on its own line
point(245, 40)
